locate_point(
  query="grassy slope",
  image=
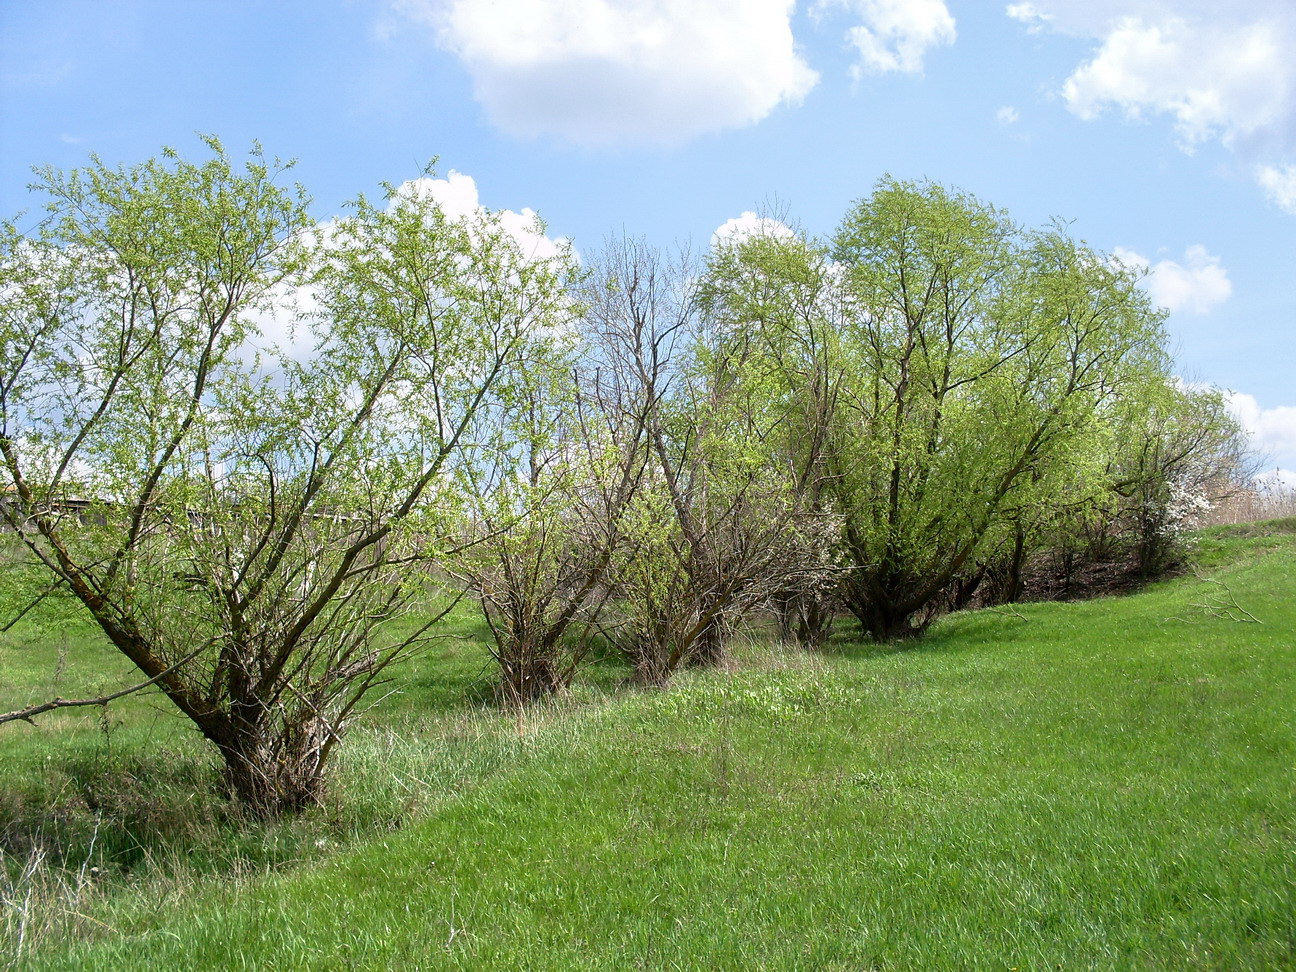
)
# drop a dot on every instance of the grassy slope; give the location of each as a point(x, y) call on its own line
point(1081, 786)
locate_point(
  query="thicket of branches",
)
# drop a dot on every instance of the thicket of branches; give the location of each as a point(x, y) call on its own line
point(638, 453)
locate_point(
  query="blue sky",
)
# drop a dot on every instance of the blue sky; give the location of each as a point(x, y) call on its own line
point(1164, 130)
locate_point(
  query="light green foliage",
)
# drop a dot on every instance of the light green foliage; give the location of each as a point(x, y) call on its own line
point(1183, 449)
point(947, 371)
point(122, 308)
point(432, 333)
point(255, 518)
point(653, 617)
point(1127, 491)
point(985, 359)
point(779, 297)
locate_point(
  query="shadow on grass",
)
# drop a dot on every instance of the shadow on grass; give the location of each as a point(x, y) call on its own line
point(956, 633)
point(115, 810)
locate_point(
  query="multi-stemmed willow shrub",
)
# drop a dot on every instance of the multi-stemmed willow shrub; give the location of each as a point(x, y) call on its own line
point(252, 521)
point(714, 528)
point(1178, 452)
point(951, 375)
point(549, 502)
point(773, 293)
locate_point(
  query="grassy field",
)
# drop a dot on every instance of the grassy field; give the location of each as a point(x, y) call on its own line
point(1104, 785)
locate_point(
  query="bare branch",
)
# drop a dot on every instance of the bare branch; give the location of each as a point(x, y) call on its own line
point(27, 714)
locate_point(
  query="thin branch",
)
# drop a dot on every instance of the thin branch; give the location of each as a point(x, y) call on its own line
point(26, 715)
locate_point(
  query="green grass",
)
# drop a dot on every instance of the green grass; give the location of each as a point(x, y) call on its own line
point(1101, 785)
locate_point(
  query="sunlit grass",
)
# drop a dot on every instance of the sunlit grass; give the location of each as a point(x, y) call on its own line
point(1105, 784)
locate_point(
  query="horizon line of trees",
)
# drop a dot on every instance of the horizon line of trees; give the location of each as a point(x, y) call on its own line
point(639, 451)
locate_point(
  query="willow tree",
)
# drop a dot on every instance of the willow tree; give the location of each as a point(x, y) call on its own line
point(777, 294)
point(1178, 451)
point(986, 361)
point(549, 492)
point(249, 523)
point(950, 371)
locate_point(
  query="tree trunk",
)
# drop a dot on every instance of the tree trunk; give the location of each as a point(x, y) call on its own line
point(528, 677)
point(651, 669)
point(881, 621)
point(814, 621)
point(882, 625)
point(271, 780)
point(874, 602)
point(1016, 586)
point(787, 613)
point(965, 589)
point(804, 619)
point(710, 648)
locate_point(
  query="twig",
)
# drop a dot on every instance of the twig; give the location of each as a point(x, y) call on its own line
point(1226, 605)
point(1221, 604)
point(1008, 612)
point(26, 715)
point(31, 604)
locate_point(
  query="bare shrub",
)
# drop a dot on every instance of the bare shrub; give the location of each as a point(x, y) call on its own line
point(710, 532)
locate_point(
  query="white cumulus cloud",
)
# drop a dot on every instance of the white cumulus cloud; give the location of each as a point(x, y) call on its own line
point(1028, 14)
point(1007, 115)
point(749, 224)
point(1216, 83)
point(458, 198)
point(895, 35)
point(602, 72)
point(1197, 285)
point(1279, 184)
point(1216, 69)
point(1272, 430)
